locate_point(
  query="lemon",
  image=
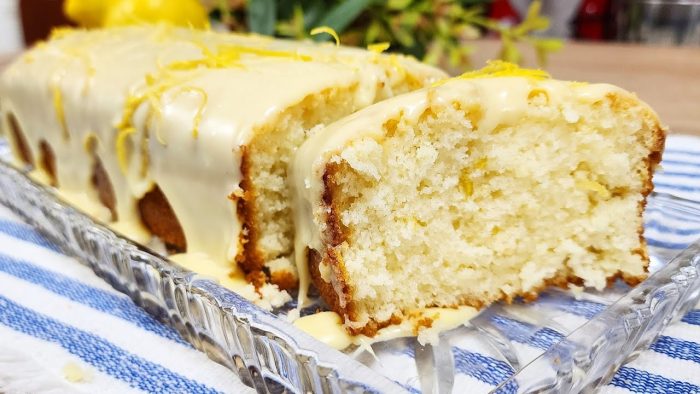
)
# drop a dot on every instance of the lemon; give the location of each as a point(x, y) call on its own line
point(106, 13)
point(176, 12)
point(87, 13)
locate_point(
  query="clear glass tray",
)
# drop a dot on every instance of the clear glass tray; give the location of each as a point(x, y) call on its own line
point(563, 342)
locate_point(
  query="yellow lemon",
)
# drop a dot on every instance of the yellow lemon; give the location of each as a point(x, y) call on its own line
point(176, 12)
point(87, 13)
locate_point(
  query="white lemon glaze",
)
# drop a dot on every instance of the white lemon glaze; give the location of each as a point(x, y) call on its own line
point(218, 89)
point(328, 327)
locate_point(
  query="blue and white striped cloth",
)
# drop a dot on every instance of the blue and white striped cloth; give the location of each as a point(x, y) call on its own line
point(62, 329)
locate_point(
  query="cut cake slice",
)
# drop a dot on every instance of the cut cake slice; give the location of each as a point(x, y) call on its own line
point(490, 186)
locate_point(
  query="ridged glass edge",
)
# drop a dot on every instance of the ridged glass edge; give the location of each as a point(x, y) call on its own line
point(589, 357)
point(271, 355)
point(266, 352)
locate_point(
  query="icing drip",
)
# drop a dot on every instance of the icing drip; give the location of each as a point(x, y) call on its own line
point(328, 328)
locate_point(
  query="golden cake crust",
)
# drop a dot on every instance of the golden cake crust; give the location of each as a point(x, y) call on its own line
point(158, 217)
point(248, 258)
point(105, 190)
point(20, 142)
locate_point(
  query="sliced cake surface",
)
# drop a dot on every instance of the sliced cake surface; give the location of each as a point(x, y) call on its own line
point(187, 134)
point(486, 187)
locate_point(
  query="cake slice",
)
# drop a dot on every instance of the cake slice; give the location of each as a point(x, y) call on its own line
point(187, 135)
point(487, 187)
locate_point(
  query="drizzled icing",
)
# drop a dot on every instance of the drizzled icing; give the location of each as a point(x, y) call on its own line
point(173, 107)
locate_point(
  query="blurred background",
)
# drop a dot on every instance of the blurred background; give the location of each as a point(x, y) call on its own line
point(662, 22)
point(651, 47)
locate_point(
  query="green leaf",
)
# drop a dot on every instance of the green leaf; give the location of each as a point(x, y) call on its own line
point(262, 15)
point(545, 46)
point(533, 11)
point(549, 44)
point(533, 20)
point(434, 52)
point(409, 19)
point(539, 23)
point(442, 27)
point(342, 15)
point(294, 26)
point(454, 56)
point(372, 33)
point(509, 52)
point(403, 36)
point(313, 12)
point(397, 4)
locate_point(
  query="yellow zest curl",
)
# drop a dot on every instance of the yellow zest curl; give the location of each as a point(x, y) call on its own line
point(499, 69)
point(122, 154)
point(378, 47)
point(265, 52)
point(57, 97)
point(327, 30)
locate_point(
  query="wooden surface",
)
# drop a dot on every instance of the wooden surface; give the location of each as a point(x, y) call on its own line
point(668, 78)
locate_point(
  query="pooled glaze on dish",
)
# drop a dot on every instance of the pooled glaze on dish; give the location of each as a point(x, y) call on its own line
point(328, 327)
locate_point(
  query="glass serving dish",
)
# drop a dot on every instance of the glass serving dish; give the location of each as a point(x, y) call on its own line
point(566, 341)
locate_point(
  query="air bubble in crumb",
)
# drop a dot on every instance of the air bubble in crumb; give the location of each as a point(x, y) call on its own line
point(74, 373)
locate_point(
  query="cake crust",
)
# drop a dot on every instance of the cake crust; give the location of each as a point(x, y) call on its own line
point(105, 190)
point(20, 141)
point(158, 216)
point(248, 257)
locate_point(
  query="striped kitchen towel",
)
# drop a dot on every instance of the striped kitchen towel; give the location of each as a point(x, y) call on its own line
point(62, 329)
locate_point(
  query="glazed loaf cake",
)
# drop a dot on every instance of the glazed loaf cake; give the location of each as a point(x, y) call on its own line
point(186, 135)
point(490, 186)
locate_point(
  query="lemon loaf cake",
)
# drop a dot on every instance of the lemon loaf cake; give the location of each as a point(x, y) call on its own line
point(187, 134)
point(487, 187)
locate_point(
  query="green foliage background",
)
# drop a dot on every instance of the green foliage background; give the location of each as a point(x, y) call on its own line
point(437, 32)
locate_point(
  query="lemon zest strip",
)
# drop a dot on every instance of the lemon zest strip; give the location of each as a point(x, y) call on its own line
point(57, 97)
point(121, 148)
point(265, 52)
point(327, 30)
point(378, 47)
point(499, 69)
